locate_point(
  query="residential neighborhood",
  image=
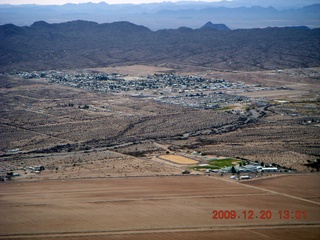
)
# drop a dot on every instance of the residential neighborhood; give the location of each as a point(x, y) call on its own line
point(189, 91)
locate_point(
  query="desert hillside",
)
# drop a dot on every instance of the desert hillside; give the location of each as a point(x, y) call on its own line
point(79, 44)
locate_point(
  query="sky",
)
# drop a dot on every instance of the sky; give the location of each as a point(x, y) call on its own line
point(60, 2)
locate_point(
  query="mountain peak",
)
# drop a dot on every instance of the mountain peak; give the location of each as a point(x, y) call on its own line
point(40, 24)
point(219, 27)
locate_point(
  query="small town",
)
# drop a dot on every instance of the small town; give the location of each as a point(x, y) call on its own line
point(189, 91)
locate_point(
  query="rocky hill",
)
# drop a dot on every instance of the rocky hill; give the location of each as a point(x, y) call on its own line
point(220, 27)
point(78, 44)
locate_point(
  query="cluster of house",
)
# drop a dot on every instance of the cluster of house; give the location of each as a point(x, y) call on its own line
point(209, 100)
point(243, 172)
point(36, 169)
point(117, 83)
point(191, 91)
point(252, 167)
point(5, 176)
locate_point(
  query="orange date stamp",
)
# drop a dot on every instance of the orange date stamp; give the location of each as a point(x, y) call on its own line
point(260, 214)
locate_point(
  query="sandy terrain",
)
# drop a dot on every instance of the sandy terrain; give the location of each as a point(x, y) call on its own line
point(104, 178)
point(178, 159)
point(157, 207)
point(303, 186)
point(99, 163)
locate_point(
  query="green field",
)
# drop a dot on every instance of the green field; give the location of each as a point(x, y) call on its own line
point(219, 163)
point(226, 162)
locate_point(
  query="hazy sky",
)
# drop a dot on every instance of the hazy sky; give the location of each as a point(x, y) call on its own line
point(55, 2)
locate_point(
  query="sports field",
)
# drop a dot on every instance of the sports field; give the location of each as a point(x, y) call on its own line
point(178, 159)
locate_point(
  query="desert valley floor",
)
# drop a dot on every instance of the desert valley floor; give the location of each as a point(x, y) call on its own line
point(114, 160)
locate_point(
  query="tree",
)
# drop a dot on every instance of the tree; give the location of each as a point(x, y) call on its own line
point(233, 170)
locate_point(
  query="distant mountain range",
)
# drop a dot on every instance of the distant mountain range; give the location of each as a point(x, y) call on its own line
point(167, 15)
point(79, 44)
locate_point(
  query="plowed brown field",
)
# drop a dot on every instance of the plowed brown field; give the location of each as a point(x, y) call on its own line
point(157, 208)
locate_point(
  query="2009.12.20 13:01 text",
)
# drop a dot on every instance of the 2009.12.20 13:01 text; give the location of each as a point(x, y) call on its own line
point(261, 215)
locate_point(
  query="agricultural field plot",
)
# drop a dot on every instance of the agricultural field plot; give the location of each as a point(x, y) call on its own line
point(157, 207)
point(305, 186)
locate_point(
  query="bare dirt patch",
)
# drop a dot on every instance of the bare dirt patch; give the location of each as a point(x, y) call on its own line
point(157, 206)
point(178, 159)
point(305, 186)
point(100, 163)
